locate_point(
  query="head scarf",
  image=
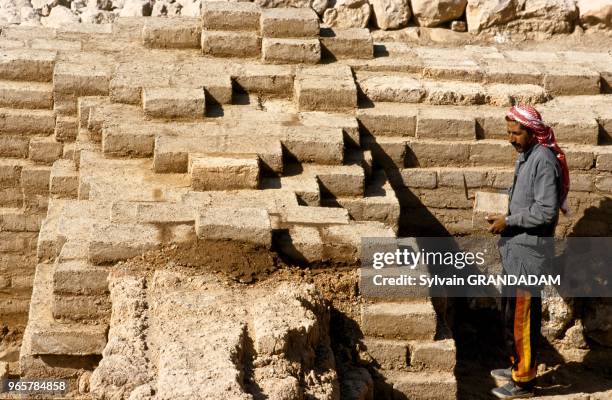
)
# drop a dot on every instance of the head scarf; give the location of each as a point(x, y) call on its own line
point(530, 117)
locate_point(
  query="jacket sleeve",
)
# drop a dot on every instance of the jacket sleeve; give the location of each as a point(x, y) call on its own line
point(546, 199)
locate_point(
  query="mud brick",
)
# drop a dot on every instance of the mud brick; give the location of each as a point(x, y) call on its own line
point(289, 22)
point(35, 179)
point(14, 146)
point(230, 16)
point(420, 178)
point(250, 225)
point(423, 385)
point(81, 79)
point(392, 88)
point(439, 355)
point(488, 204)
point(266, 79)
point(64, 180)
point(79, 277)
point(444, 123)
point(351, 43)
point(231, 44)
point(505, 95)
point(174, 102)
point(10, 172)
point(291, 51)
point(115, 242)
point(347, 123)
point(45, 150)
point(313, 216)
point(566, 79)
point(315, 145)
point(303, 244)
point(389, 354)
point(210, 172)
point(66, 129)
point(388, 119)
point(176, 33)
point(453, 93)
point(578, 159)
point(582, 182)
point(128, 140)
point(603, 183)
point(26, 94)
point(324, 92)
point(492, 152)
point(502, 71)
point(429, 153)
point(27, 122)
point(27, 65)
point(407, 321)
point(604, 162)
point(462, 178)
point(572, 127)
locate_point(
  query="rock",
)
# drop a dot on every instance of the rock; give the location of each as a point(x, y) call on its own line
point(574, 337)
point(557, 314)
point(95, 16)
point(10, 12)
point(319, 6)
point(459, 26)
point(391, 14)
point(283, 3)
point(595, 13)
point(435, 12)
point(348, 14)
point(60, 16)
point(598, 321)
point(191, 8)
point(481, 14)
point(136, 8)
point(4, 370)
point(83, 382)
point(29, 16)
point(547, 16)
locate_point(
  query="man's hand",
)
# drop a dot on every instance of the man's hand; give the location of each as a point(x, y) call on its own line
point(498, 223)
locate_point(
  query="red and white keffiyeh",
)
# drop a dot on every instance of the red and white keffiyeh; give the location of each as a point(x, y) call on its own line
point(532, 119)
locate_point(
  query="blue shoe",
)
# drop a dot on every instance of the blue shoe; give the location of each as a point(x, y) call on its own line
point(512, 391)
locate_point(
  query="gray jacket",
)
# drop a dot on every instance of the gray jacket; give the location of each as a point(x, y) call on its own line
point(526, 246)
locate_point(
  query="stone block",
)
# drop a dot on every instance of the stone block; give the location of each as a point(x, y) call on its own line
point(423, 385)
point(340, 181)
point(81, 79)
point(26, 94)
point(45, 150)
point(462, 178)
point(488, 204)
point(491, 152)
point(128, 140)
point(231, 44)
point(64, 180)
point(604, 162)
point(453, 93)
point(78, 308)
point(406, 321)
point(578, 159)
point(444, 123)
point(389, 151)
point(389, 354)
point(389, 119)
point(27, 65)
point(289, 23)
point(173, 102)
point(510, 72)
point(506, 95)
point(127, 87)
point(572, 127)
point(66, 129)
point(351, 43)
point(249, 225)
point(291, 51)
point(343, 242)
point(230, 16)
point(347, 123)
point(582, 182)
point(174, 33)
point(312, 145)
point(217, 172)
point(603, 183)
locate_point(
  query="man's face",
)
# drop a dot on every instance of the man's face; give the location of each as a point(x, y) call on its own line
point(518, 137)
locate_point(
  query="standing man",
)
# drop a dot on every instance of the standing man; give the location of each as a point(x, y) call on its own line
point(540, 188)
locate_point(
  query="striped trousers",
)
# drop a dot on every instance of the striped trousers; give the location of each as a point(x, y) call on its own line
point(522, 322)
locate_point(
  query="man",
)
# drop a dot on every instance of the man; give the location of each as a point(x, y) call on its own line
point(541, 184)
